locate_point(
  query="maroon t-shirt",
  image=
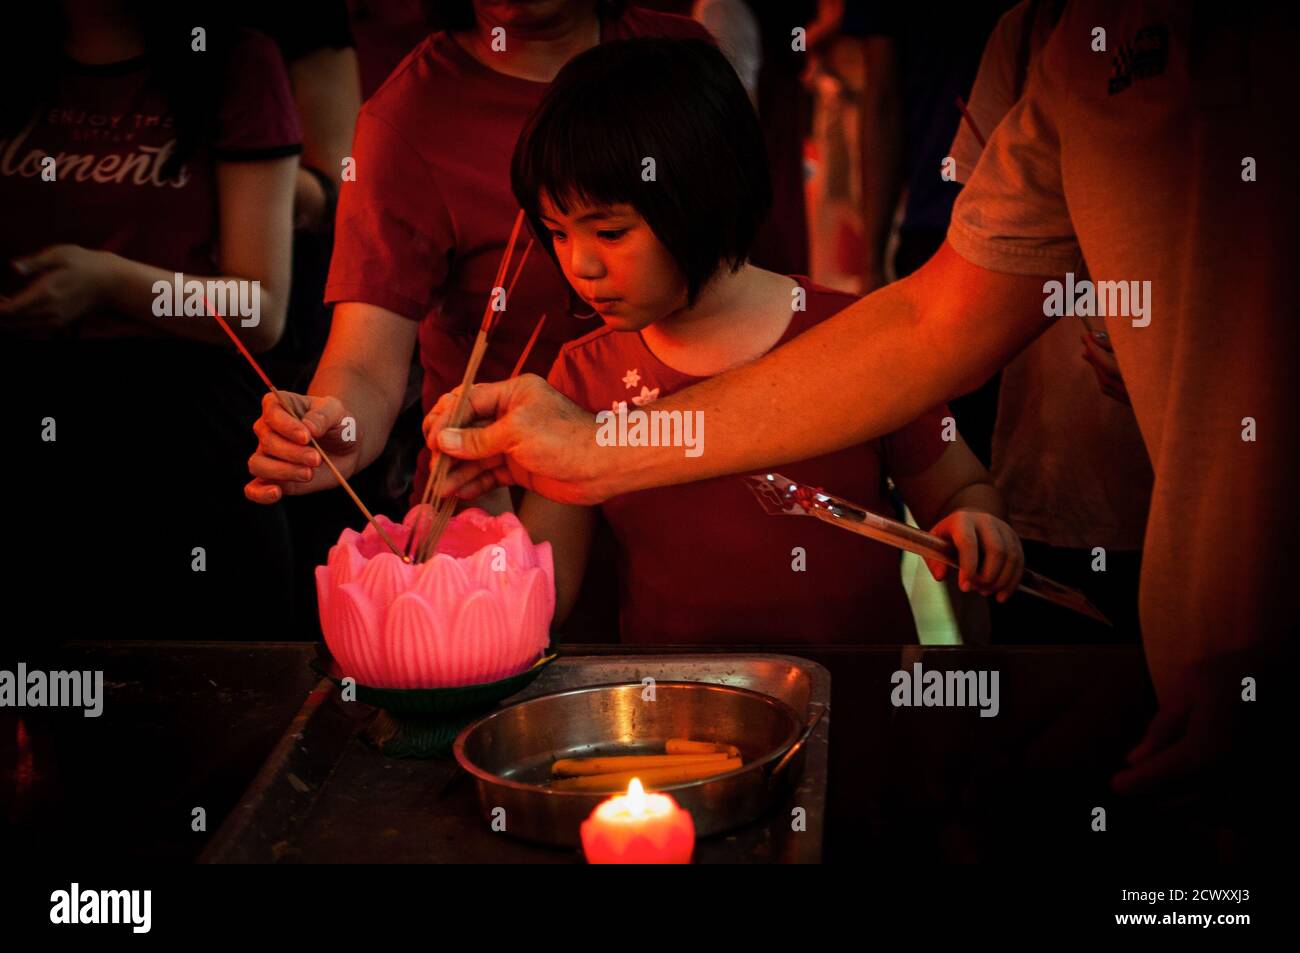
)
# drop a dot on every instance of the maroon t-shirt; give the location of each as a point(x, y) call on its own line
point(422, 228)
point(702, 563)
point(110, 130)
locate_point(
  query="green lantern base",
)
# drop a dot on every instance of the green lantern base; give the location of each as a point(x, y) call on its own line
point(424, 722)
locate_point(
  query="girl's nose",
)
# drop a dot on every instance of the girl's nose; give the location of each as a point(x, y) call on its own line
point(586, 263)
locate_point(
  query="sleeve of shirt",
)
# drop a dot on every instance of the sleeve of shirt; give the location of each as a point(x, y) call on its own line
point(994, 91)
point(561, 378)
point(1011, 217)
point(915, 447)
point(258, 119)
point(393, 233)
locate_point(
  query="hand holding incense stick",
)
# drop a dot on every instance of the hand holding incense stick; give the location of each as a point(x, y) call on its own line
point(288, 406)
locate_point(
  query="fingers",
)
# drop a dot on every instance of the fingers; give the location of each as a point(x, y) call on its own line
point(937, 569)
point(475, 443)
point(992, 555)
point(1014, 567)
point(43, 260)
point(281, 421)
point(273, 445)
point(1168, 724)
point(262, 491)
point(470, 478)
point(965, 539)
point(438, 416)
point(1106, 369)
point(323, 415)
point(1160, 772)
point(485, 482)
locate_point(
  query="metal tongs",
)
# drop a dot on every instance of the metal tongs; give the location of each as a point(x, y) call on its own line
point(781, 496)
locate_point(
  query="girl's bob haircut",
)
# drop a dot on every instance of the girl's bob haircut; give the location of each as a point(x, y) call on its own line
point(663, 126)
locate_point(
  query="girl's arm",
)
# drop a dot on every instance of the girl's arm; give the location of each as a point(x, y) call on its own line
point(568, 529)
point(956, 497)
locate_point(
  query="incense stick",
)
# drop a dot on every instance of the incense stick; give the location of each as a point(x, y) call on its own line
point(961, 104)
point(443, 508)
point(284, 402)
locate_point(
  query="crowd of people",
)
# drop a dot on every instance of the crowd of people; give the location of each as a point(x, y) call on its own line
point(361, 166)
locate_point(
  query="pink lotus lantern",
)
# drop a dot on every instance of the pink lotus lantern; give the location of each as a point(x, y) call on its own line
point(478, 611)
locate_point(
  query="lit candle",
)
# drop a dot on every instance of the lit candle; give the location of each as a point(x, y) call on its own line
point(638, 828)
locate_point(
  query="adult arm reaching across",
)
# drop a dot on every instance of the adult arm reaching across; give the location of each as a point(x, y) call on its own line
point(865, 372)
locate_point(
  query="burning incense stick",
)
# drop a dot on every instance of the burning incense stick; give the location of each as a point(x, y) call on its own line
point(248, 356)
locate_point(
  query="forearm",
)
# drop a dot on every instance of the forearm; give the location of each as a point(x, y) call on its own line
point(860, 374)
point(148, 294)
point(367, 401)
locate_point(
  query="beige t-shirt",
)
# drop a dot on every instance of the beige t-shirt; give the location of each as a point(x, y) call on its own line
point(1069, 460)
point(1133, 158)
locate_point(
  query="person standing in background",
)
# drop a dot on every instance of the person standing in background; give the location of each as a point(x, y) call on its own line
point(136, 153)
point(918, 61)
point(1067, 457)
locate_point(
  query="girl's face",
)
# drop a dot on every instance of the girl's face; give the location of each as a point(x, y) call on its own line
point(613, 260)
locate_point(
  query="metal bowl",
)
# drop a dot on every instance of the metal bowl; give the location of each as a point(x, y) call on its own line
point(509, 752)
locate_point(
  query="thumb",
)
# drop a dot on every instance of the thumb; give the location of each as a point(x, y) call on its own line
point(474, 443)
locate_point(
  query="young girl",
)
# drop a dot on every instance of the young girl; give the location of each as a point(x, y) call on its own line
point(643, 169)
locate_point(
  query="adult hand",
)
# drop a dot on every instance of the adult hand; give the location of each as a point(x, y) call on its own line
point(1101, 358)
point(520, 431)
point(285, 463)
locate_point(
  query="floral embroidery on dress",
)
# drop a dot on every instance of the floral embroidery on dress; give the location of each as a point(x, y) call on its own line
point(646, 396)
point(632, 379)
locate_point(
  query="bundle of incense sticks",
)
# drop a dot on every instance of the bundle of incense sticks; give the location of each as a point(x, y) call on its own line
point(444, 507)
point(248, 356)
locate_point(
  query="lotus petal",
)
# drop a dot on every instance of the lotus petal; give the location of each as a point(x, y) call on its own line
point(410, 643)
point(481, 621)
point(357, 630)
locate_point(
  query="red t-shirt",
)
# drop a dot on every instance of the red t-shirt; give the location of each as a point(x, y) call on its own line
point(422, 228)
point(110, 131)
point(702, 563)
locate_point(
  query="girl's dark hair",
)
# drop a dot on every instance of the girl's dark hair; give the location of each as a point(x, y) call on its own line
point(31, 56)
point(677, 102)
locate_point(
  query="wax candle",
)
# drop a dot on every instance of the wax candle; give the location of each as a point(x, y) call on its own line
point(638, 828)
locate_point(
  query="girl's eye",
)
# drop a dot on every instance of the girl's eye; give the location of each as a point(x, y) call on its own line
point(557, 236)
point(611, 234)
